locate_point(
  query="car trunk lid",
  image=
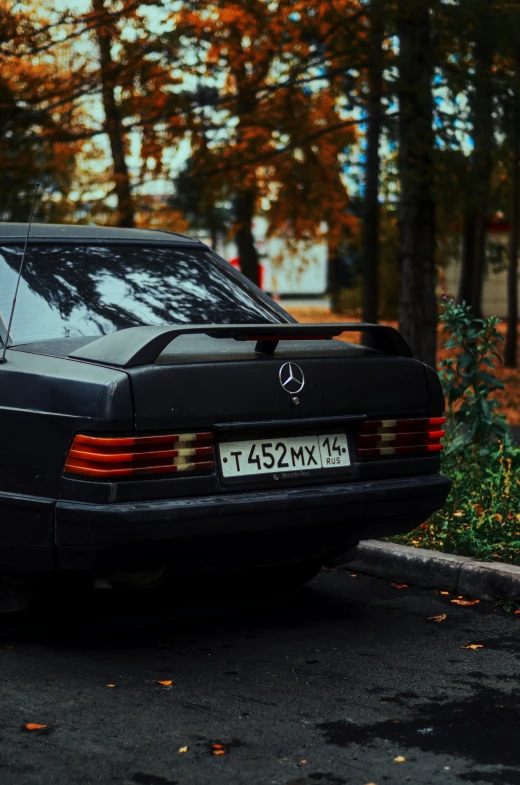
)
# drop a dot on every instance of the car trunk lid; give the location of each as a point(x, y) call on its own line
point(211, 383)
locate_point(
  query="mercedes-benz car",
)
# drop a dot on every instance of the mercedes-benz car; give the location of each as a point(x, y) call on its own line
point(160, 414)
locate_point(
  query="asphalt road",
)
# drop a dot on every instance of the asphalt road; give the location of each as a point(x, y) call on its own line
point(326, 687)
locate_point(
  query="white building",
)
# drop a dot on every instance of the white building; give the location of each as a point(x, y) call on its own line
point(288, 268)
point(494, 300)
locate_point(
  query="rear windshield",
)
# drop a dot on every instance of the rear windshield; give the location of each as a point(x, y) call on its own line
point(79, 290)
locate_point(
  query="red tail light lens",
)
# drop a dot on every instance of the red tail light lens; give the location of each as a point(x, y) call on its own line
point(107, 457)
point(400, 437)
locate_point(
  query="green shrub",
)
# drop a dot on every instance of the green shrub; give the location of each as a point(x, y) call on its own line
point(481, 518)
point(468, 379)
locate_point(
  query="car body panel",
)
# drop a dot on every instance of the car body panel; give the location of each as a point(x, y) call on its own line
point(54, 388)
point(44, 402)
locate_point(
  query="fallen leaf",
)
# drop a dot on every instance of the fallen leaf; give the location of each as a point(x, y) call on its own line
point(218, 746)
point(444, 592)
point(111, 685)
point(35, 726)
point(219, 752)
point(466, 602)
point(396, 722)
point(167, 683)
point(303, 762)
point(399, 585)
point(473, 646)
point(399, 759)
point(353, 574)
point(517, 613)
point(183, 749)
point(436, 618)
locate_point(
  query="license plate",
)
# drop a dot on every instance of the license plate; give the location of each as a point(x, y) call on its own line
point(284, 456)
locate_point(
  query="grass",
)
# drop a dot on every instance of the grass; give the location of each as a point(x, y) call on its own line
point(481, 517)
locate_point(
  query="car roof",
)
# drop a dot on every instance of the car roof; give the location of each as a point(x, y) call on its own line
point(72, 232)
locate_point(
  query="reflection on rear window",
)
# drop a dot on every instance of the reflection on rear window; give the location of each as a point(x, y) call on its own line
point(71, 291)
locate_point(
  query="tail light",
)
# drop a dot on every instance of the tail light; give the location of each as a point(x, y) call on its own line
point(400, 437)
point(107, 457)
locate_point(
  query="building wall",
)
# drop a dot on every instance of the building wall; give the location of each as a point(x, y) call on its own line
point(289, 268)
point(494, 302)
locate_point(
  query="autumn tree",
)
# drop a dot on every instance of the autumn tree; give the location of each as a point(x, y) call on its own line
point(200, 206)
point(137, 86)
point(417, 303)
point(358, 50)
point(374, 120)
point(271, 136)
point(354, 46)
point(129, 77)
point(109, 73)
point(239, 42)
point(481, 27)
point(32, 116)
point(511, 346)
point(509, 71)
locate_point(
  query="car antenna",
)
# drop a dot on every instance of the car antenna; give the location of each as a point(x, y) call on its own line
point(3, 358)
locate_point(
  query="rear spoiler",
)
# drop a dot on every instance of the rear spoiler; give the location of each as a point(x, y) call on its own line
point(134, 346)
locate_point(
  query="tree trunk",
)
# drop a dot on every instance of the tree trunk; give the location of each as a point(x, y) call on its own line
point(481, 217)
point(114, 125)
point(245, 211)
point(371, 212)
point(468, 257)
point(417, 303)
point(213, 231)
point(481, 112)
point(333, 278)
point(511, 348)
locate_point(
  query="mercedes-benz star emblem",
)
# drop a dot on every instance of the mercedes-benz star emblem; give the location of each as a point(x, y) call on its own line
point(291, 378)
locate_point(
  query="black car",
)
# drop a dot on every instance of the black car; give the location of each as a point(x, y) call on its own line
point(160, 414)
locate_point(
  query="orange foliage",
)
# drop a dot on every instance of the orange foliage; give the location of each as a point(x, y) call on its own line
point(152, 213)
point(274, 132)
point(38, 111)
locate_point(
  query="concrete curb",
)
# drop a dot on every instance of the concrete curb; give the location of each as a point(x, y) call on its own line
point(434, 570)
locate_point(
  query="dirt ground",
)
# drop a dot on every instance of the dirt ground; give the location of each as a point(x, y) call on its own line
point(509, 397)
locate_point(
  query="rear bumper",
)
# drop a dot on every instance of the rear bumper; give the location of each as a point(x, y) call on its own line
point(241, 527)
point(235, 528)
